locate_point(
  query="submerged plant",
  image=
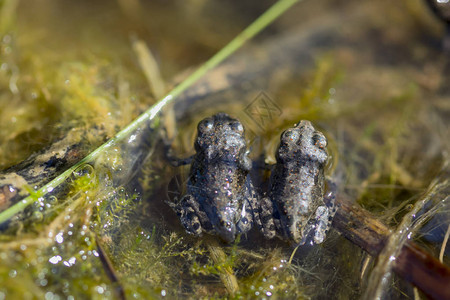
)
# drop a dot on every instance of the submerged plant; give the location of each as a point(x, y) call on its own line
point(94, 231)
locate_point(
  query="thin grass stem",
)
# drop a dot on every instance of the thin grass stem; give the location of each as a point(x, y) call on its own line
point(257, 26)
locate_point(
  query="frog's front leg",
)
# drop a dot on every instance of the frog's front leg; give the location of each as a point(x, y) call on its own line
point(190, 214)
point(170, 156)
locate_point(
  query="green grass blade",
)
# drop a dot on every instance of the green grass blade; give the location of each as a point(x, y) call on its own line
point(257, 26)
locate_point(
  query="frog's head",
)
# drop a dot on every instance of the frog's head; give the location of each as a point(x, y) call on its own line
point(220, 137)
point(302, 142)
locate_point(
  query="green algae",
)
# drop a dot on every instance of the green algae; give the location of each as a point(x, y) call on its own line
point(390, 144)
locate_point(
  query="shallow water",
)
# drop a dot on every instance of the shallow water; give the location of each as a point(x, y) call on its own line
point(370, 75)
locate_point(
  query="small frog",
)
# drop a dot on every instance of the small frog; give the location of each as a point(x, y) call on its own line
point(295, 208)
point(220, 198)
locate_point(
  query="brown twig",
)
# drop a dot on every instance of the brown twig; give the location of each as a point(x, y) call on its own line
point(424, 271)
point(413, 263)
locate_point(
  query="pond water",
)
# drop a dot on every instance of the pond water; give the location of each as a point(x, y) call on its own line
point(372, 76)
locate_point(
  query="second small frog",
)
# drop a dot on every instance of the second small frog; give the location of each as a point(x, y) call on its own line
point(296, 208)
point(220, 198)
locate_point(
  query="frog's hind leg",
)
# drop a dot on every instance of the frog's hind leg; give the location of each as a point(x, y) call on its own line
point(330, 196)
point(245, 222)
point(190, 214)
point(265, 219)
point(330, 203)
point(318, 227)
point(249, 211)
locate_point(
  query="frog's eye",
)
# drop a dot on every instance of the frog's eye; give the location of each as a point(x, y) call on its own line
point(205, 125)
point(237, 126)
point(290, 136)
point(320, 141)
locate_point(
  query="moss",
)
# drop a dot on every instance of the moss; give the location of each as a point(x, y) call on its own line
point(53, 89)
point(387, 144)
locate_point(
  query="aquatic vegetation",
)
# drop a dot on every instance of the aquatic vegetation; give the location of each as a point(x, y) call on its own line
point(381, 105)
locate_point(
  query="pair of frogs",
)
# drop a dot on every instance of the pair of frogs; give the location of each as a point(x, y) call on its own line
point(221, 199)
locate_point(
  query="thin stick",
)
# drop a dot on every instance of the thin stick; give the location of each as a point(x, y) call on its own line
point(259, 24)
point(109, 270)
point(444, 245)
point(292, 255)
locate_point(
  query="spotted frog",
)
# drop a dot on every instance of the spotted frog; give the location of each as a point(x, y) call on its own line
point(220, 198)
point(295, 208)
